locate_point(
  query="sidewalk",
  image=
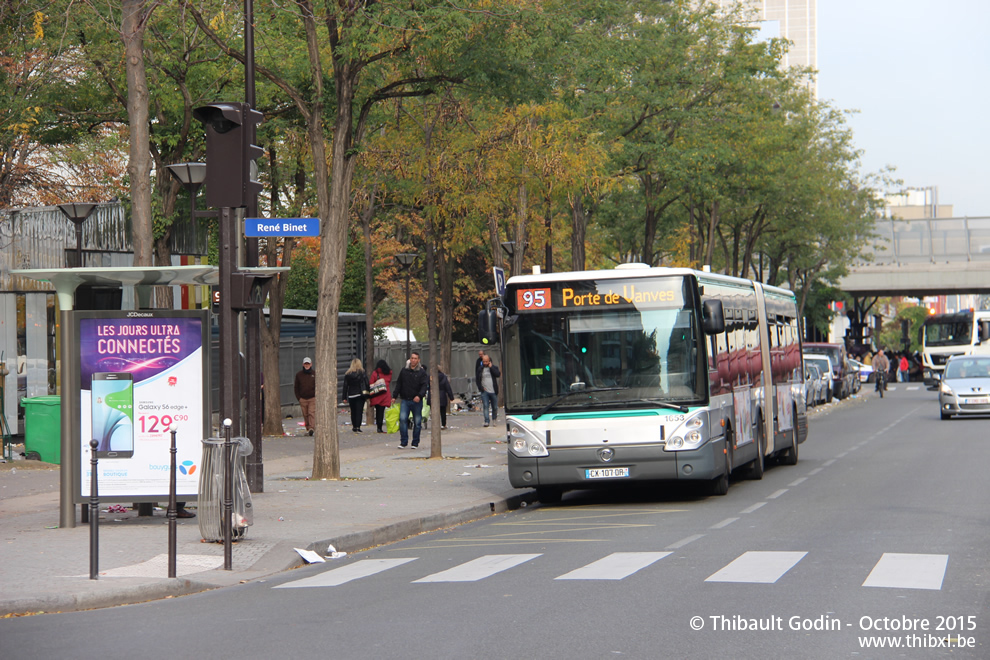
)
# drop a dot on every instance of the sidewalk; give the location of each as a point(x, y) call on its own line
point(385, 494)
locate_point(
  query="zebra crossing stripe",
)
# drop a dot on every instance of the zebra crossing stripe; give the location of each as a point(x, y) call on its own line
point(758, 567)
point(344, 574)
point(908, 571)
point(478, 569)
point(616, 566)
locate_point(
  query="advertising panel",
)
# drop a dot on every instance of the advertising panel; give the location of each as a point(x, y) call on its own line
point(140, 373)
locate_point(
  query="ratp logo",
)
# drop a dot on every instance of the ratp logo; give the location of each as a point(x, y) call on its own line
point(172, 380)
point(187, 467)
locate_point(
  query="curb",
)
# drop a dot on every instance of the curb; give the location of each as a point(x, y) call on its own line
point(269, 565)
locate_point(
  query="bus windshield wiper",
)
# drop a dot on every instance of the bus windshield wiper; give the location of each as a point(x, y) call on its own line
point(660, 404)
point(539, 413)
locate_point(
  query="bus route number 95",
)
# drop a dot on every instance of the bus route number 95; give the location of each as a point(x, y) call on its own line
point(529, 299)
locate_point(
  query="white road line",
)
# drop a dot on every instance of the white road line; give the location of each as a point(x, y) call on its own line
point(724, 523)
point(345, 574)
point(751, 509)
point(798, 482)
point(829, 462)
point(842, 455)
point(478, 569)
point(758, 567)
point(616, 566)
point(814, 472)
point(774, 495)
point(914, 387)
point(683, 542)
point(908, 571)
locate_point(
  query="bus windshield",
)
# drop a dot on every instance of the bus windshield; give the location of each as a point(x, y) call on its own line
point(641, 348)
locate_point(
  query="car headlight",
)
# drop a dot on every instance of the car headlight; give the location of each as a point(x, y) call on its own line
point(945, 389)
point(524, 443)
point(689, 435)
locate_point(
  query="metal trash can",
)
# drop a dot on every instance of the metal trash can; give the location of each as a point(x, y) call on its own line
point(210, 503)
point(43, 428)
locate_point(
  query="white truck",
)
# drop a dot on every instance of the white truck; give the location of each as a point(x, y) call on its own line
point(945, 335)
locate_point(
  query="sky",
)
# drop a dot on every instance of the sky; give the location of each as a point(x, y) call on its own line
point(918, 73)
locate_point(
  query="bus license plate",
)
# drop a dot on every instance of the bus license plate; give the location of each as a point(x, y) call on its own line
point(606, 473)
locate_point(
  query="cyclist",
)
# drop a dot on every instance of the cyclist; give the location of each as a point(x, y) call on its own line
point(880, 367)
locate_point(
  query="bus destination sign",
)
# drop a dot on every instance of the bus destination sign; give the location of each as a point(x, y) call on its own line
point(606, 294)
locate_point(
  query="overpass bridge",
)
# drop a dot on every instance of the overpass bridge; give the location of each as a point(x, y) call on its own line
point(917, 258)
point(924, 258)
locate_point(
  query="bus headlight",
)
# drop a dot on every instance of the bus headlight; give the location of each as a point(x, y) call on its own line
point(689, 435)
point(523, 443)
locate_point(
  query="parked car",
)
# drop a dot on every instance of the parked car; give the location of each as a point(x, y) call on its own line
point(865, 371)
point(842, 373)
point(965, 386)
point(814, 385)
point(827, 378)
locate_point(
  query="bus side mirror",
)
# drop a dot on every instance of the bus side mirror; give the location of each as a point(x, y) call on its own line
point(984, 330)
point(921, 335)
point(488, 327)
point(712, 319)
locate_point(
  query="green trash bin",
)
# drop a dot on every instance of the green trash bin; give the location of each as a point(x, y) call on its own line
point(43, 428)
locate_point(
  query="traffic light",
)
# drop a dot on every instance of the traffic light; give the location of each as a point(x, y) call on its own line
point(488, 327)
point(231, 174)
point(248, 291)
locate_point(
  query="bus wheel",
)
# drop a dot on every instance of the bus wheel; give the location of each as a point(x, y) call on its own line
point(720, 485)
point(549, 495)
point(756, 470)
point(790, 455)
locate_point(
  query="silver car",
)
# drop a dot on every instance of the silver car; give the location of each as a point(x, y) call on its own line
point(825, 368)
point(965, 386)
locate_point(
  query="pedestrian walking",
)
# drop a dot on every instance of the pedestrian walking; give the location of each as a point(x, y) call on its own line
point(410, 389)
point(381, 400)
point(903, 369)
point(356, 390)
point(305, 391)
point(486, 377)
point(446, 396)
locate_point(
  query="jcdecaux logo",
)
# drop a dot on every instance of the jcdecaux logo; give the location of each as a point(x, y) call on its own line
point(187, 467)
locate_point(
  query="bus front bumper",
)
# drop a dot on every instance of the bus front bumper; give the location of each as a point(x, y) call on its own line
point(583, 467)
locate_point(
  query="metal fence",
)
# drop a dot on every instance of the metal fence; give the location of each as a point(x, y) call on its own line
point(937, 240)
point(350, 344)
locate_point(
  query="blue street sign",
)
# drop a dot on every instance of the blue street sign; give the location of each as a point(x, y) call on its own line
point(281, 227)
point(499, 281)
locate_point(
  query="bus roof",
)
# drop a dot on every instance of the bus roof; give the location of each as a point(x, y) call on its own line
point(632, 271)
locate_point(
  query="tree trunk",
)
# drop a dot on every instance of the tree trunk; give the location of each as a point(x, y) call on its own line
point(134, 17)
point(579, 227)
point(436, 448)
point(369, 292)
point(712, 226)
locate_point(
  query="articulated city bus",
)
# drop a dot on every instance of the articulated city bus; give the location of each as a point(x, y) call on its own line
point(945, 335)
point(648, 374)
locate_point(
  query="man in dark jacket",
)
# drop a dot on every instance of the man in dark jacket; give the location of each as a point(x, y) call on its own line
point(486, 376)
point(410, 389)
point(305, 391)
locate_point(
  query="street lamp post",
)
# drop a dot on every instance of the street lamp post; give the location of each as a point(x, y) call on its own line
point(406, 260)
point(77, 213)
point(191, 176)
point(509, 247)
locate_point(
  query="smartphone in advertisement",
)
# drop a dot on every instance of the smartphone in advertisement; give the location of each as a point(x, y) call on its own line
point(113, 414)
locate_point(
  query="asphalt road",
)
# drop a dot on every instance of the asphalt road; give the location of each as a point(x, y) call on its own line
point(878, 536)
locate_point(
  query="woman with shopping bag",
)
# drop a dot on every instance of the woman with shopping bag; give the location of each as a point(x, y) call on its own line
point(381, 392)
point(356, 389)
